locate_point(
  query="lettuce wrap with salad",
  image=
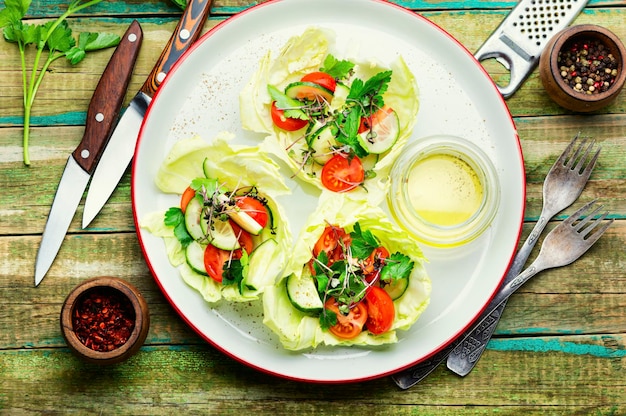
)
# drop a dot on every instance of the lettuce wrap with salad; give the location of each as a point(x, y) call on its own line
point(227, 236)
point(338, 121)
point(353, 279)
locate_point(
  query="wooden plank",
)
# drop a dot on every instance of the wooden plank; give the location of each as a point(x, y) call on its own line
point(199, 378)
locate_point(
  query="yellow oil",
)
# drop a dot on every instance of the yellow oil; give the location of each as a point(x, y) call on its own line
point(444, 190)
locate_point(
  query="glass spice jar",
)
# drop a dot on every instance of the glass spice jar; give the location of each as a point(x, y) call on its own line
point(582, 68)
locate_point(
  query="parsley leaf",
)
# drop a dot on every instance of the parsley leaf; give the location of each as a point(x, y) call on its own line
point(174, 217)
point(369, 94)
point(88, 42)
point(348, 128)
point(398, 266)
point(363, 242)
point(180, 3)
point(209, 185)
point(13, 12)
point(235, 271)
point(328, 319)
point(364, 99)
point(335, 68)
point(58, 37)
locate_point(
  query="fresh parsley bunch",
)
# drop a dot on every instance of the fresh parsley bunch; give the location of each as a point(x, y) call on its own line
point(53, 37)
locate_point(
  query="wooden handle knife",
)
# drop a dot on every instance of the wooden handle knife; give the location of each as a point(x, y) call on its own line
point(107, 99)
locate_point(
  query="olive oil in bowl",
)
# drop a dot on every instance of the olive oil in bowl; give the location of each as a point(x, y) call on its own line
point(444, 191)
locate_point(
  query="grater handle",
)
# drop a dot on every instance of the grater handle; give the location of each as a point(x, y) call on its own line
point(513, 58)
point(521, 37)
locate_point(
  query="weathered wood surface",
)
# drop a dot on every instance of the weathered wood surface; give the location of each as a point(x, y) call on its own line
point(560, 348)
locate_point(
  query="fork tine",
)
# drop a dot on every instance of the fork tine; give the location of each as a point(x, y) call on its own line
point(598, 232)
point(579, 148)
point(592, 163)
point(583, 158)
point(575, 216)
point(588, 217)
point(564, 156)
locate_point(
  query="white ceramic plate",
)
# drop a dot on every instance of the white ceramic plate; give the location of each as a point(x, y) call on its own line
point(200, 96)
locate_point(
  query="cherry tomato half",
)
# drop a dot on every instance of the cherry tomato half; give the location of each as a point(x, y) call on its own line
point(214, 259)
point(186, 197)
point(322, 79)
point(341, 173)
point(329, 241)
point(380, 310)
point(244, 238)
point(374, 263)
point(254, 208)
point(368, 122)
point(334, 241)
point(286, 123)
point(348, 326)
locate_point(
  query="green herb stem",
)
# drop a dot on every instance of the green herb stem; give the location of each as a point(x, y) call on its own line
point(46, 40)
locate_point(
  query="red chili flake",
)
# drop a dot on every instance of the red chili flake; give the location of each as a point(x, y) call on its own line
point(103, 319)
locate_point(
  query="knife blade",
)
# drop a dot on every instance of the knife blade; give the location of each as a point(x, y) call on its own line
point(102, 113)
point(121, 147)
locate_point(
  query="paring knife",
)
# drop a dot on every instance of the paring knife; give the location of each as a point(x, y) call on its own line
point(102, 114)
point(121, 147)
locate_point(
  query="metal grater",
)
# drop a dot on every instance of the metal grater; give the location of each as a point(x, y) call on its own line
point(519, 40)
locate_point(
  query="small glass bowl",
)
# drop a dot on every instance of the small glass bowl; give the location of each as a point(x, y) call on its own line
point(119, 289)
point(444, 191)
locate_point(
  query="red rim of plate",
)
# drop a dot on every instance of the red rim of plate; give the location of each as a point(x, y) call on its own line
point(438, 349)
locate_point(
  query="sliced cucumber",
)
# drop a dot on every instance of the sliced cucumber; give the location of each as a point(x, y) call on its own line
point(396, 287)
point(194, 254)
point(261, 265)
point(207, 164)
point(221, 234)
point(308, 91)
point(340, 96)
point(302, 292)
point(384, 132)
point(322, 143)
point(369, 161)
point(193, 219)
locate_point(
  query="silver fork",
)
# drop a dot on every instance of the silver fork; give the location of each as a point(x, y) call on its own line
point(562, 246)
point(563, 184)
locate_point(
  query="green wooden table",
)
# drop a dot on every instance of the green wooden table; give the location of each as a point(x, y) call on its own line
point(559, 349)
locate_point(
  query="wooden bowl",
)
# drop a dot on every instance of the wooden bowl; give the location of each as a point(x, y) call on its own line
point(550, 68)
point(120, 296)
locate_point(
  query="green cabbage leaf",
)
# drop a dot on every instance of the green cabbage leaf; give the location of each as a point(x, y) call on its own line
point(297, 330)
point(234, 167)
point(304, 54)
